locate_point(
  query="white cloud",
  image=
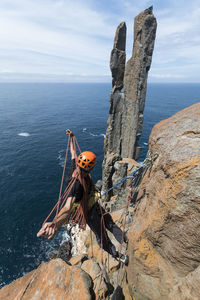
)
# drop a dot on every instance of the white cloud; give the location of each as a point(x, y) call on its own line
point(168, 76)
point(177, 48)
point(60, 37)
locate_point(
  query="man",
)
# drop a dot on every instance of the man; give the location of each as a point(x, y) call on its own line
point(81, 195)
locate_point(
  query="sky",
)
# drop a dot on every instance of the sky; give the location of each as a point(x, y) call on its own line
point(71, 40)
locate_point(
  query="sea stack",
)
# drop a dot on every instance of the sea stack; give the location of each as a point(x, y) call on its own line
point(126, 108)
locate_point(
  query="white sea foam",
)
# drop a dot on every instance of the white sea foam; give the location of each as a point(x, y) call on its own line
point(101, 134)
point(93, 134)
point(2, 284)
point(61, 158)
point(25, 134)
point(54, 244)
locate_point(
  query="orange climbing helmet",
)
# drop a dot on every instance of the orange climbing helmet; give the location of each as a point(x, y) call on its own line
point(86, 160)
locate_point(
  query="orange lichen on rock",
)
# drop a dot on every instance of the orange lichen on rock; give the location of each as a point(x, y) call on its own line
point(53, 280)
point(164, 238)
point(147, 253)
point(176, 178)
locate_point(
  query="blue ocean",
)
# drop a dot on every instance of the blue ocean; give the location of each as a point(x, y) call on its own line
point(33, 120)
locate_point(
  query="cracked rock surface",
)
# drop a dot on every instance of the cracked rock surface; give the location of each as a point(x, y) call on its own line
point(164, 239)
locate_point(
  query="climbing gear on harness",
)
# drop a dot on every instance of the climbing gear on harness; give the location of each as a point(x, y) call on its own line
point(86, 160)
point(125, 237)
point(93, 197)
point(80, 215)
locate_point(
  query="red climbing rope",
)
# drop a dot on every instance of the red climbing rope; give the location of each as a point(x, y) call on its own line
point(123, 226)
point(63, 196)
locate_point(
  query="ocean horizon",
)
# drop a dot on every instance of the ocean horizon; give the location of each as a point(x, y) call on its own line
point(33, 120)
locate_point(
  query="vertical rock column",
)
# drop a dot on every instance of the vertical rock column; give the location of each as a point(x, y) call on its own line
point(135, 82)
point(112, 143)
point(126, 109)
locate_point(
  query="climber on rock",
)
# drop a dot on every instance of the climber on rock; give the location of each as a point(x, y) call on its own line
point(88, 210)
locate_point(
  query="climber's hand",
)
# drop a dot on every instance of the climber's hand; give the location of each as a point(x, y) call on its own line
point(69, 132)
point(48, 230)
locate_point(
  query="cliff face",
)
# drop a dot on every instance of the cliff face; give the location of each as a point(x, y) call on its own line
point(126, 108)
point(164, 236)
point(164, 239)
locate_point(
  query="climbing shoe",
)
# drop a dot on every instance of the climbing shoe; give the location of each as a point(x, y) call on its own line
point(125, 237)
point(124, 259)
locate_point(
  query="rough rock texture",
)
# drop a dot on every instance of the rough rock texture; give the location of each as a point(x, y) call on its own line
point(187, 287)
point(118, 57)
point(53, 280)
point(164, 240)
point(164, 237)
point(126, 108)
point(112, 146)
point(135, 81)
point(64, 251)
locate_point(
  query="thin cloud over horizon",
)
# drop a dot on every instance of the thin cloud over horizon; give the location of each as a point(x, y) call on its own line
point(68, 41)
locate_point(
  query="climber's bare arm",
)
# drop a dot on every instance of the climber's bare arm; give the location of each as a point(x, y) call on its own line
point(64, 213)
point(49, 229)
point(72, 145)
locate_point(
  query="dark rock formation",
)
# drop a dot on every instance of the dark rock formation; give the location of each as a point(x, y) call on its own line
point(164, 239)
point(118, 57)
point(126, 109)
point(135, 82)
point(64, 251)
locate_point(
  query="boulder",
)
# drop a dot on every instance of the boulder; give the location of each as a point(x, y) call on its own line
point(52, 280)
point(92, 268)
point(164, 239)
point(78, 259)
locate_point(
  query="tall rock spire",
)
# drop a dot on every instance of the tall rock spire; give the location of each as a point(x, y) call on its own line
point(124, 125)
point(135, 82)
point(118, 57)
